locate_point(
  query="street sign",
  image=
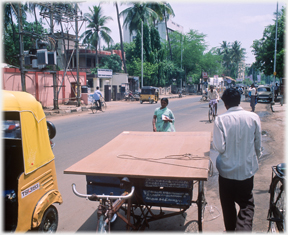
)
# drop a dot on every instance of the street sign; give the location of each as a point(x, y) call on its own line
point(104, 73)
point(204, 75)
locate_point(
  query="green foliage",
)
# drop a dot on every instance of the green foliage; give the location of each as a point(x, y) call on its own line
point(247, 82)
point(232, 55)
point(111, 62)
point(155, 39)
point(264, 48)
point(149, 71)
point(11, 40)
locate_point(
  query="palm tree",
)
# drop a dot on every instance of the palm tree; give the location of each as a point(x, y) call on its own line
point(237, 54)
point(121, 38)
point(135, 14)
point(32, 9)
point(97, 28)
point(226, 53)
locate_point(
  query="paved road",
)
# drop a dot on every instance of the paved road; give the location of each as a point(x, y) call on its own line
point(80, 134)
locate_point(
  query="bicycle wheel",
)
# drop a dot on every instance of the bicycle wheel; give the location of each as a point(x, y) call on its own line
point(201, 203)
point(93, 108)
point(101, 226)
point(210, 114)
point(277, 210)
point(103, 106)
point(271, 106)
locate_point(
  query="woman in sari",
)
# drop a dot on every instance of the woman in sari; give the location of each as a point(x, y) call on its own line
point(163, 119)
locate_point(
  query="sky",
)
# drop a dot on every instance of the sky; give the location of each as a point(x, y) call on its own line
point(220, 21)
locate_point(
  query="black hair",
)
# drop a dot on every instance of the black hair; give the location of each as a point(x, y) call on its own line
point(231, 97)
point(166, 100)
point(97, 87)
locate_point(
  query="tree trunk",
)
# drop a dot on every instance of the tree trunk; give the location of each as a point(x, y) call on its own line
point(96, 54)
point(121, 41)
point(35, 16)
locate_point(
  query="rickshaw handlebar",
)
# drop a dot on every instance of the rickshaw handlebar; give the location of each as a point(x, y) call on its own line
point(94, 196)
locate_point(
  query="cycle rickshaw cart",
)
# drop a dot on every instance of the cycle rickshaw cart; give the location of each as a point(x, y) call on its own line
point(138, 171)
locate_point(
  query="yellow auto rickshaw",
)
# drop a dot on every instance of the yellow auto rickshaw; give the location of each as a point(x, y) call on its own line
point(30, 181)
point(149, 94)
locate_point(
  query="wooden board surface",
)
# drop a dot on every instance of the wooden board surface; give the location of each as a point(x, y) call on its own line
point(162, 155)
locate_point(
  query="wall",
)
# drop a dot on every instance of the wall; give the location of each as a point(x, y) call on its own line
point(40, 84)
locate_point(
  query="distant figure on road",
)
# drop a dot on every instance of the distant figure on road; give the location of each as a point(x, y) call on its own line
point(163, 119)
point(253, 91)
point(213, 96)
point(276, 90)
point(237, 138)
point(96, 97)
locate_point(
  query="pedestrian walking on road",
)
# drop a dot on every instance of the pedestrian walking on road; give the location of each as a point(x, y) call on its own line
point(163, 118)
point(253, 97)
point(237, 138)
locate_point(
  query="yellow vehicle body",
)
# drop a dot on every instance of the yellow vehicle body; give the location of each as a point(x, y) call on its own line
point(30, 180)
point(149, 94)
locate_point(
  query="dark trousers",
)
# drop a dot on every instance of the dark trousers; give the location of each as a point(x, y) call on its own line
point(252, 102)
point(240, 192)
point(98, 103)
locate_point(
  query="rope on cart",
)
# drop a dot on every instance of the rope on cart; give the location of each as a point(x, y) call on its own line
point(186, 156)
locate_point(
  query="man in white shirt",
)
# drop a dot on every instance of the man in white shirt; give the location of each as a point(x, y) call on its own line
point(213, 96)
point(237, 138)
point(96, 97)
point(253, 96)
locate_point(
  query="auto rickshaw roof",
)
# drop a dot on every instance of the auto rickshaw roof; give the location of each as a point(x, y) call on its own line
point(149, 87)
point(22, 101)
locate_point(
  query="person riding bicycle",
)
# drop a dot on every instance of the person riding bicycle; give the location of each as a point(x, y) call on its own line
point(213, 96)
point(96, 97)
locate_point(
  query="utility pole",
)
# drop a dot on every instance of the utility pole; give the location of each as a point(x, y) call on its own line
point(141, 54)
point(274, 72)
point(55, 100)
point(21, 58)
point(77, 55)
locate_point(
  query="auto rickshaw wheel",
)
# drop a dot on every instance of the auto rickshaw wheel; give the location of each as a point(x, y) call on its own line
point(141, 102)
point(49, 221)
point(51, 130)
point(151, 101)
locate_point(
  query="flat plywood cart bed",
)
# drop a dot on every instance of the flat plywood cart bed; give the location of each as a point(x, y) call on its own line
point(139, 170)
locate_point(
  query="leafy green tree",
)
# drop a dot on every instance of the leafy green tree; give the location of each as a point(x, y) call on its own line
point(164, 11)
point(146, 42)
point(264, 48)
point(96, 28)
point(113, 62)
point(149, 70)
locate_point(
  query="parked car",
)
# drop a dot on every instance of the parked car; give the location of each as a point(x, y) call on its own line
point(264, 93)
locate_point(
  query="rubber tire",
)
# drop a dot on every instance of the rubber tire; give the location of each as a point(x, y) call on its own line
point(101, 227)
point(210, 115)
point(51, 130)
point(275, 188)
point(201, 203)
point(141, 102)
point(104, 106)
point(93, 108)
point(151, 101)
point(50, 214)
point(271, 107)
